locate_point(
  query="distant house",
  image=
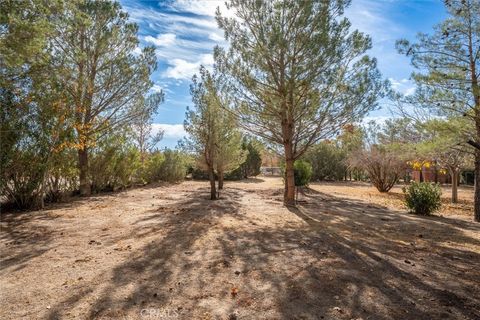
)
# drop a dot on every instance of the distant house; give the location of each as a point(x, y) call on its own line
point(430, 175)
point(426, 171)
point(270, 163)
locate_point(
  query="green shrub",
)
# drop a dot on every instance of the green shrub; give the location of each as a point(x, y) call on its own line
point(152, 167)
point(423, 198)
point(303, 172)
point(253, 162)
point(237, 174)
point(199, 174)
point(174, 167)
point(328, 161)
point(22, 182)
point(113, 163)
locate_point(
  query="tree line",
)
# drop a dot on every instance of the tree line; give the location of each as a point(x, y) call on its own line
point(294, 74)
point(76, 102)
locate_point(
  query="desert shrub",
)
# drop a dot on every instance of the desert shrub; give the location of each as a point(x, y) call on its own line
point(302, 172)
point(199, 174)
point(114, 163)
point(151, 170)
point(174, 167)
point(26, 150)
point(327, 160)
point(62, 178)
point(126, 166)
point(383, 167)
point(22, 184)
point(422, 197)
point(237, 174)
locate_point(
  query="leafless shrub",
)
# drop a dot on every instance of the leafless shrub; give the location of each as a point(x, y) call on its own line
point(383, 167)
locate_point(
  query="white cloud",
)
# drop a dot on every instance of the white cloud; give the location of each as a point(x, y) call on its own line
point(216, 36)
point(404, 86)
point(137, 51)
point(170, 21)
point(369, 16)
point(182, 69)
point(162, 40)
point(206, 8)
point(409, 91)
point(171, 131)
point(183, 41)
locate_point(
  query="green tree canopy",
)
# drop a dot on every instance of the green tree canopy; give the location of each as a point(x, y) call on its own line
point(296, 72)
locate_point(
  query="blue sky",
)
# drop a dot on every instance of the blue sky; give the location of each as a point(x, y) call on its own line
point(184, 33)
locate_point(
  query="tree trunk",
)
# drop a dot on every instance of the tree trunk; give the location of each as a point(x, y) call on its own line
point(289, 195)
point(213, 191)
point(220, 180)
point(454, 176)
point(477, 186)
point(83, 168)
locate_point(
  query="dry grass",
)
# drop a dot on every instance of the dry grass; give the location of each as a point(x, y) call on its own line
point(166, 252)
point(394, 198)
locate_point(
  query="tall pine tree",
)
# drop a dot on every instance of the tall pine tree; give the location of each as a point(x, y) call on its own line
point(297, 72)
point(104, 79)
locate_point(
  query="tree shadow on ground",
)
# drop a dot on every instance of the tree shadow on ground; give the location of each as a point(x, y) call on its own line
point(153, 275)
point(351, 263)
point(410, 263)
point(251, 180)
point(361, 209)
point(336, 258)
point(20, 241)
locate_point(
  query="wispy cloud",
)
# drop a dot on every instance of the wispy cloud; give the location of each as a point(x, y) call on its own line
point(184, 70)
point(404, 86)
point(162, 40)
point(206, 8)
point(170, 131)
point(370, 16)
point(184, 33)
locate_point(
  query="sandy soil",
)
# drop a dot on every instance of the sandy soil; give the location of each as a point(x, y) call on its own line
point(166, 252)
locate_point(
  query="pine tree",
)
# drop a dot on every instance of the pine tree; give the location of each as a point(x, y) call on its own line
point(297, 73)
point(213, 133)
point(142, 125)
point(448, 72)
point(104, 80)
point(443, 147)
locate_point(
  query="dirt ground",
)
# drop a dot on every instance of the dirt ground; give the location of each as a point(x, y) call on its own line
point(166, 252)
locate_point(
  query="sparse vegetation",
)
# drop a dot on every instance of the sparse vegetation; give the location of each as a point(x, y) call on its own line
point(314, 158)
point(422, 197)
